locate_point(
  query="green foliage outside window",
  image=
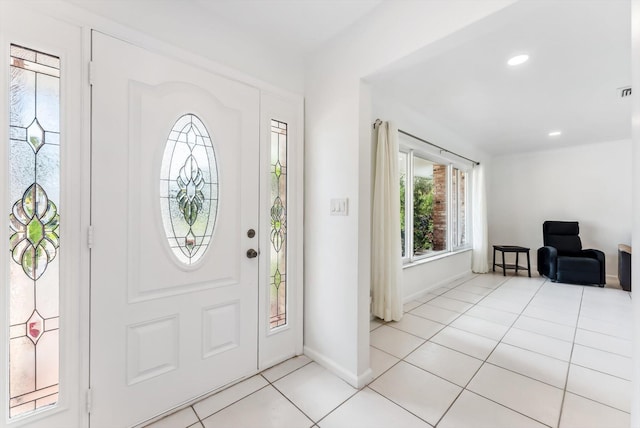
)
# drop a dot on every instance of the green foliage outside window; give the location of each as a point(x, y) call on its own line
point(422, 214)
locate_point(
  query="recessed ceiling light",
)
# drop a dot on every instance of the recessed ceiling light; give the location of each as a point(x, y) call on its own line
point(518, 59)
point(555, 133)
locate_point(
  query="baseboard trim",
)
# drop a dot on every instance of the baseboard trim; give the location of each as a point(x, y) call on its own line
point(335, 368)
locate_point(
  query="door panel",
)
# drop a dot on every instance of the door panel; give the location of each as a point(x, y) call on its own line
point(164, 332)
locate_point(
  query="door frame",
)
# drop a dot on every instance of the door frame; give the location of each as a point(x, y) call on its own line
point(285, 342)
point(74, 273)
point(88, 22)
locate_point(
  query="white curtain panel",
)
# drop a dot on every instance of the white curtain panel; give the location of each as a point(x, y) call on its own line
point(386, 258)
point(480, 254)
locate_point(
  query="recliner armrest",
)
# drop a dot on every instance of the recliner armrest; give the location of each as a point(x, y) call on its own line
point(598, 255)
point(594, 254)
point(548, 261)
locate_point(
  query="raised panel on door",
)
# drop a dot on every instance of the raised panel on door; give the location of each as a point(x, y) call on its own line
point(167, 326)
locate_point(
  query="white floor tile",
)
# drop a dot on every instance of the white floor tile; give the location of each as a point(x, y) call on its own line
point(579, 412)
point(606, 362)
point(474, 289)
point(604, 342)
point(489, 281)
point(222, 399)
point(266, 408)
point(546, 345)
point(462, 295)
point(380, 361)
point(502, 305)
point(462, 280)
point(528, 363)
point(557, 289)
point(417, 326)
point(516, 391)
point(480, 327)
point(557, 304)
point(182, 418)
point(600, 387)
point(521, 297)
point(613, 313)
point(375, 323)
point(286, 367)
point(438, 291)
point(394, 341)
point(368, 409)
point(451, 365)
point(426, 297)
point(599, 326)
point(493, 315)
point(465, 342)
point(423, 394)
point(474, 411)
point(411, 305)
point(546, 328)
point(435, 313)
point(558, 317)
point(315, 390)
point(524, 282)
point(450, 304)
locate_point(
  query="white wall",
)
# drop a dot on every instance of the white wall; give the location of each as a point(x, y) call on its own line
point(338, 164)
point(427, 275)
point(180, 24)
point(635, 73)
point(590, 184)
point(418, 279)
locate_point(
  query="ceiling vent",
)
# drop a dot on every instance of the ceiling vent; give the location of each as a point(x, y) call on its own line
point(625, 91)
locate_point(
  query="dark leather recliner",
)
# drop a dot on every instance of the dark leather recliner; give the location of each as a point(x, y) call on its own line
point(562, 258)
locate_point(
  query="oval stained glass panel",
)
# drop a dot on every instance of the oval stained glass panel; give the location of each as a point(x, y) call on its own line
point(189, 189)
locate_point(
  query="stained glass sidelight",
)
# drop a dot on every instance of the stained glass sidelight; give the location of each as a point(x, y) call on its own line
point(34, 233)
point(278, 235)
point(189, 189)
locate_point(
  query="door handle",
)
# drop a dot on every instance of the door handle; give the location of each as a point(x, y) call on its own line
point(252, 254)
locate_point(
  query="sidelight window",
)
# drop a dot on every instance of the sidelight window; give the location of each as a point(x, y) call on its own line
point(278, 234)
point(34, 232)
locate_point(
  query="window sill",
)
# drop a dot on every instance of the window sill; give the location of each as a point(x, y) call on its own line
point(434, 258)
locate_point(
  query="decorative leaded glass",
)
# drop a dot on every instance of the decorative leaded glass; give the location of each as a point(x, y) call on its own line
point(34, 233)
point(278, 235)
point(189, 189)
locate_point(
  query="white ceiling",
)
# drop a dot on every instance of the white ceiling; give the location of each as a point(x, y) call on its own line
point(300, 25)
point(580, 52)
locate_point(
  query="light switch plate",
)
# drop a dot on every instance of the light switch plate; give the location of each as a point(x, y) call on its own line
point(339, 206)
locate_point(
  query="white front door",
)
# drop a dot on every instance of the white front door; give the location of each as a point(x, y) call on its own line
point(175, 192)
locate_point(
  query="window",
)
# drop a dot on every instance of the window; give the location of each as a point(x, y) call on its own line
point(434, 205)
point(189, 189)
point(34, 240)
point(278, 234)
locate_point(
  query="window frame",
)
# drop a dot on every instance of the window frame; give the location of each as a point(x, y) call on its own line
point(414, 150)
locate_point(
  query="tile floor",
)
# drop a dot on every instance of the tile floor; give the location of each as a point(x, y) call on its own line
point(485, 351)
